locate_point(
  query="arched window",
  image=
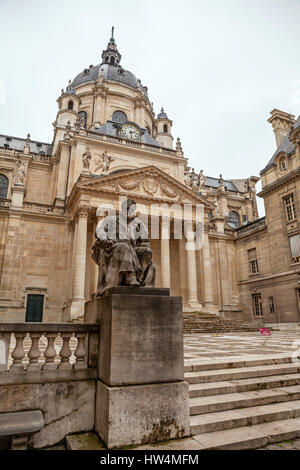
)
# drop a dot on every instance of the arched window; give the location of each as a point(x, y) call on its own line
point(234, 219)
point(70, 104)
point(83, 116)
point(3, 186)
point(112, 61)
point(119, 116)
point(165, 128)
point(148, 130)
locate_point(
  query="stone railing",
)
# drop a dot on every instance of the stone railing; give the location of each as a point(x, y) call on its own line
point(130, 143)
point(26, 347)
point(258, 224)
point(5, 202)
point(41, 158)
point(44, 208)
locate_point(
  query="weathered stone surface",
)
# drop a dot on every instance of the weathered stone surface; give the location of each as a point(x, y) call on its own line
point(93, 307)
point(141, 339)
point(67, 407)
point(141, 414)
point(84, 441)
point(21, 422)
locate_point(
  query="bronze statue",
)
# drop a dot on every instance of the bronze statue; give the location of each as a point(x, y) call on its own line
point(122, 251)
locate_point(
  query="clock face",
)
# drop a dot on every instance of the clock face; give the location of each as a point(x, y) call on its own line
point(130, 132)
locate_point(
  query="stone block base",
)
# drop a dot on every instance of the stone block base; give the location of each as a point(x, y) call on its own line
point(140, 414)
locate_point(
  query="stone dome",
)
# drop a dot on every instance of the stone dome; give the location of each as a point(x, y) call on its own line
point(110, 72)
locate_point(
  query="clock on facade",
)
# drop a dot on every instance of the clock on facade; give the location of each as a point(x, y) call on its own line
point(131, 132)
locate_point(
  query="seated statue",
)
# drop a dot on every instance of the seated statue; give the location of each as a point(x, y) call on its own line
point(122, 251)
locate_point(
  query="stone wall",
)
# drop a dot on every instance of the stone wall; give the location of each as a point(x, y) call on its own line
point(68, 407)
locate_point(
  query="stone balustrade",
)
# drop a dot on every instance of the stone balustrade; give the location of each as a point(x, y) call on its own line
point(26, 347)
point(130, 143)
point(5, 202)
point(258, 224)
point(41, 158)
point(44, 208)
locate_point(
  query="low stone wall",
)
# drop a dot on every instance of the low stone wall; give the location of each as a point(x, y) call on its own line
point(67, 406)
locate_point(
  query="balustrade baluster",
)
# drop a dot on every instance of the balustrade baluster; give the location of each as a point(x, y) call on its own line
point(34, 353)
point(50, 352)
point(18, 354)
point(65, 352)
point(80, 352)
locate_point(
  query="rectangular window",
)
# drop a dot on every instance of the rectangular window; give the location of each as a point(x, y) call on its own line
point(253, 264)
point(257, 305)
point(290, 207)
point(295, 248)
point(271, 305)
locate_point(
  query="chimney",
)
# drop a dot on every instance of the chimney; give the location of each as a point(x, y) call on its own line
point(282, 123)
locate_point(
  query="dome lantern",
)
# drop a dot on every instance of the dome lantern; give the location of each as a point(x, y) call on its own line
point(111, 54)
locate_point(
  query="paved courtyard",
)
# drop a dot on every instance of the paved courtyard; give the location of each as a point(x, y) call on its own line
point(212, 347)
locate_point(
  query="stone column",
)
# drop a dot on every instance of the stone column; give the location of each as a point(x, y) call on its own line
point(165, 253)
point(96, 267)
point(77, 307)
point(63, 168)
point(191, 268)
point(208, 303)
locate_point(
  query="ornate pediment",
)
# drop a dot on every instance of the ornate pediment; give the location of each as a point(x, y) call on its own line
point(146, 183)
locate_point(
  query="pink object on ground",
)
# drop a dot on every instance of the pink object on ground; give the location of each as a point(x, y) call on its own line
point(265, 332)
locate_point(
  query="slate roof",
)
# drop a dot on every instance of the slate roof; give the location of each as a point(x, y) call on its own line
point(114, 73)
point(214, 183)
point(18, 144)
point(286, 146)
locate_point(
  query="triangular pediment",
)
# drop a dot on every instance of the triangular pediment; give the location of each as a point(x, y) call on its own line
point(146, 183)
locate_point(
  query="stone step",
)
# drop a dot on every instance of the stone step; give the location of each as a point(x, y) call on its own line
point(233, 363)
point(240, 373)
point(231, 401)
point(243, 385)
point(223, 420)
point(252, 437)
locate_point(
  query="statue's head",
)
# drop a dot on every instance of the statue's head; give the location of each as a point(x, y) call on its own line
point(129, 207)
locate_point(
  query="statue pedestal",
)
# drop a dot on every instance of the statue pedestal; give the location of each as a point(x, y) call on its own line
point(18, 191)
point(141, 394)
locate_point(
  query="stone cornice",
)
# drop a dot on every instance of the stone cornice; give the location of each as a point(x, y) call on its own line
point(279, 182)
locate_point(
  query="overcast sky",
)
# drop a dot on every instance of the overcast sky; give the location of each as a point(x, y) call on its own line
point(218, 67)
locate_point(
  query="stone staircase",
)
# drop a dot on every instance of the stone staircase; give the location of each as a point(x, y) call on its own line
point(199, 322)
point(244, 404)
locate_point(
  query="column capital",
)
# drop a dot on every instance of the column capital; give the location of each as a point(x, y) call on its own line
point(82, 212)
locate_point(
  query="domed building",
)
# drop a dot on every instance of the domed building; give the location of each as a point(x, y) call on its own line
point(108, 143)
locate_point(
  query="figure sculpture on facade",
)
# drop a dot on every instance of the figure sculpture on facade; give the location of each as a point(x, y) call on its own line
point(86, 159)
point(20, 173)
point(201, 180)
point(104, 163)
point(187, 177)
point(122, 251)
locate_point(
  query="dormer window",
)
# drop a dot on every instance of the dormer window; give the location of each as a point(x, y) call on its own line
point(119, 116)
point(165, 128)
point(112, 61)
point(283, 164)
point(70, 105)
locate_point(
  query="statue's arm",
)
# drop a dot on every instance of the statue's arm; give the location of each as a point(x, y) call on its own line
point(102, 234)
point(143, 239)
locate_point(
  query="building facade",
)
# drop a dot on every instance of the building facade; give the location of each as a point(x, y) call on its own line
point(109, 143)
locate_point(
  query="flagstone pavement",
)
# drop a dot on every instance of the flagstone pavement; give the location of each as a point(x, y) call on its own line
point(214, 347)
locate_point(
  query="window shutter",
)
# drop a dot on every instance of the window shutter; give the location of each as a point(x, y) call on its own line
point(252, 254)
point(295, 245)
